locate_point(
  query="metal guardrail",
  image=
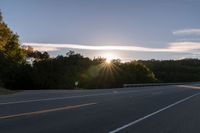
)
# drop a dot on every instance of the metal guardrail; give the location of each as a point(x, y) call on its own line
point(157, 84)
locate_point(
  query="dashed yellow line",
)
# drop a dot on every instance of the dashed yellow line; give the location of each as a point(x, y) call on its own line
point(46, 111)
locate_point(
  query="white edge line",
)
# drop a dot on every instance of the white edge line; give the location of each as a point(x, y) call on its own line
point(69, 97)
point(154, 113)
point(48, 99)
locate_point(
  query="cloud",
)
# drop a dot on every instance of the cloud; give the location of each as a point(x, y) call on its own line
point(44, 48)
point(184, 46)
point(187, 32)
point(54, 47)
point(178, 47)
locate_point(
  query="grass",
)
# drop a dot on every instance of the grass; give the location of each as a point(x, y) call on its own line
point(4, 91)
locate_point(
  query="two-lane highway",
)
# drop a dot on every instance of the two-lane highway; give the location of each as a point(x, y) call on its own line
point(156, 109)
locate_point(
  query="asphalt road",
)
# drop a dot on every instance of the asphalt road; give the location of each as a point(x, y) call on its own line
point(155, 109)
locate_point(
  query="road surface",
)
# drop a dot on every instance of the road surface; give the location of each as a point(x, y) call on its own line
point(154, 109)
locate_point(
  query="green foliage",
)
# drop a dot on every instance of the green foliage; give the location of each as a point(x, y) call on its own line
point(186, 70)
point(11, 55)
point(60, 72)
point(9, 44)
point(37, 55)
point(135, 72)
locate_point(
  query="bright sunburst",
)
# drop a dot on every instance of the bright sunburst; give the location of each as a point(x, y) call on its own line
point(108, 61)
point(109, 57)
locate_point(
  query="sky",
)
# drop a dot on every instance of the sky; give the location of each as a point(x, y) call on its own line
point(124, 29)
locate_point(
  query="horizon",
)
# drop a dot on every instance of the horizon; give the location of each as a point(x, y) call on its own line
point(126, 30)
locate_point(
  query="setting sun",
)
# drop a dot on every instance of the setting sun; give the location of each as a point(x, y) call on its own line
point(109, 57)
point(108, 61)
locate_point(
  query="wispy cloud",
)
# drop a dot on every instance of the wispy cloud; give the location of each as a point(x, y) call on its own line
point(44, 48)
point(53, 47)
point(178, 47)
point(187, 32)
point(184, 46)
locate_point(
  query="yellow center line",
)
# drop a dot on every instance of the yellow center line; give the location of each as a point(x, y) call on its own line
point(46, 111)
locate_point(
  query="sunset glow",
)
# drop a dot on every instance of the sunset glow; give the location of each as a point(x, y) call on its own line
point(109, 57)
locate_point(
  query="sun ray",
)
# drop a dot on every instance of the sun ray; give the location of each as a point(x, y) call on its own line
point(109, 57)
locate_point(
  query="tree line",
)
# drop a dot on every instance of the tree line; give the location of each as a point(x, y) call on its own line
point(185, 70)
point(62, 72)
